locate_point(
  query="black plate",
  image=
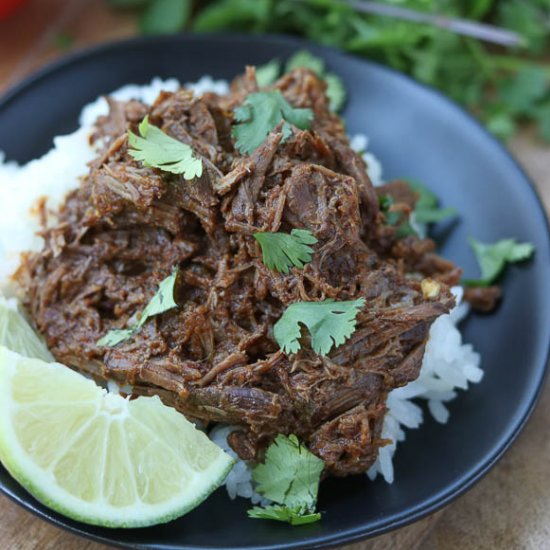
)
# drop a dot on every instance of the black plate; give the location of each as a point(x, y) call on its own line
point(416, 133)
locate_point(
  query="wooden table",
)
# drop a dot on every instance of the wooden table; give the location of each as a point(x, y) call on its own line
point(508, 509)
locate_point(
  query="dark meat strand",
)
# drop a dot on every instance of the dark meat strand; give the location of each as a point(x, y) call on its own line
point(214, 358)
point(483, 298)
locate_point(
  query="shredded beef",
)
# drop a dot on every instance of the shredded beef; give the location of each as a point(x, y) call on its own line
point(214, 357)
point(483, 298)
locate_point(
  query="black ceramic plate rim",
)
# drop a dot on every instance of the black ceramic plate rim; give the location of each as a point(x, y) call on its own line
point(410, 515)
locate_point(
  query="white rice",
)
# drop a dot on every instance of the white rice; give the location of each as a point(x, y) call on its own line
point(57, 172)
point(448, 364)
point(239, 481)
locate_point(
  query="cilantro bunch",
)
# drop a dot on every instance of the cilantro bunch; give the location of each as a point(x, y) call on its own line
point(502, 86)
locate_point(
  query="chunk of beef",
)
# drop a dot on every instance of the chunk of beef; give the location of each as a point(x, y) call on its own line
point(115, 185)
point(400, 191)
point(483, 298)
point(121, 115)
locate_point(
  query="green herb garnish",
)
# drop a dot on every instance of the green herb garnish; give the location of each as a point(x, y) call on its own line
point(330, 324)
point(281, 251)
point(164, 16)
point(336, 92)
point(492, 258)
point(426, 209)
point(290, 477)
point(162, 301)
point(260, 114)
point(474, 73)
point(267, 74)
point(478, 75)
point(159, 150)
point(306, 60)
point(395, 218)
point(294, 516)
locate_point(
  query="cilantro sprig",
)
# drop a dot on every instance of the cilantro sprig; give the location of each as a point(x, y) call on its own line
point(330, 324)
point(155, 148)
point(426, 209)
point(294, 516)
point(493, 258)
point(268, 73)
point(336, 92)
point(395, 218)
point(260, 114)
point(162, 301)
point(503, 86)
point(281, 251)
point(158, 16)
point(290, 477)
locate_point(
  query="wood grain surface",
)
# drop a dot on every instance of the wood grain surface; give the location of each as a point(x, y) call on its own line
point(508, 509)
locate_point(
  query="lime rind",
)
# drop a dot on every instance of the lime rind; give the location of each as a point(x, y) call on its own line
point(104, 517)
point(42, 483)
point(17, 334)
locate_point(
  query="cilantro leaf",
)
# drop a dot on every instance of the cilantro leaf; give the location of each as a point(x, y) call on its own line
point(281, 251)
point(405, 229)
point(290, 474)
point(528, 18)
point(294, 516)
point(502, 124)
point(306, 60)
point(336, 91)
point(260, 113)
point(492, 258)
point(162, 301)
point(385, 202)
point(159, 150)
point(330, 324)
point(395, 217)
point(115, 337)
point(470, 71)
point(164, 16)
point(267, 74)
point(434, 215)
point(236, 15)
point(426, 209)
point(522, 91)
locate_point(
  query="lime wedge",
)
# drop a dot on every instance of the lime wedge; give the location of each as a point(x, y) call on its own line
point(16, 333)
point(97, 457)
